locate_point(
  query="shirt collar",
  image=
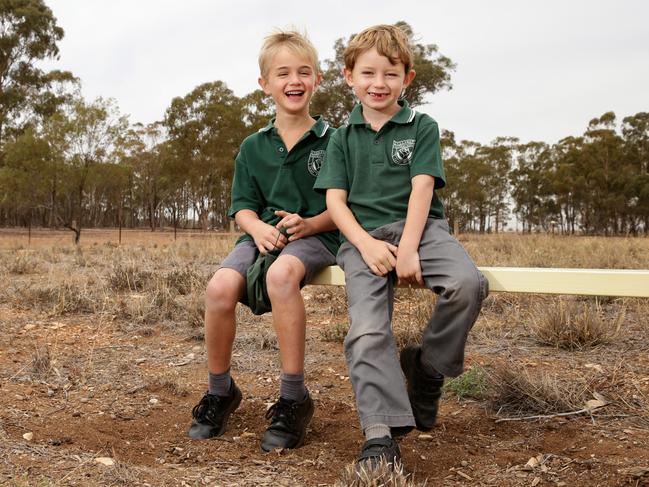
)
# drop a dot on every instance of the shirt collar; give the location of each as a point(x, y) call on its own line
point(403, 116)
point(319, 128)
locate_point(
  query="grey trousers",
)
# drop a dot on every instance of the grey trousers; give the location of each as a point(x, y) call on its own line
point(370, 350)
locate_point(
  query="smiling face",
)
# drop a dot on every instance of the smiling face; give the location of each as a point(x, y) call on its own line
point(291, 80)
point(377, 82)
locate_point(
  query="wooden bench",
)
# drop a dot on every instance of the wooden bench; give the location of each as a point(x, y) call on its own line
point(590, 282)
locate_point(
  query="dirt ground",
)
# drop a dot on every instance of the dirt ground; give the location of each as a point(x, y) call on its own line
point(98, 378)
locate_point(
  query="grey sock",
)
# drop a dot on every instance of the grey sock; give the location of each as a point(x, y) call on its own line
point(291, 386)
point(219, 384)
point(377, 431)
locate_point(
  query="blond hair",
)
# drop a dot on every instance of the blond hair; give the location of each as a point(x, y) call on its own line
point(389, 40)
point(291, 39)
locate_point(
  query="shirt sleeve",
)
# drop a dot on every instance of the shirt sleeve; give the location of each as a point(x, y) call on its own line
point(244, 192)
point(333, 173)
point(427, 156)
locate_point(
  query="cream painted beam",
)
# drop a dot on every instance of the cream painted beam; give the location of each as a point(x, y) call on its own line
point(594, 282)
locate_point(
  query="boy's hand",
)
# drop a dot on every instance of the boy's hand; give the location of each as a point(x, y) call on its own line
point(409, 267)
point(296, 226)
point(267, 237)
point(380, 256)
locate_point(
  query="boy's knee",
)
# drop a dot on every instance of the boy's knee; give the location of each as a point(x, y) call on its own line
point(282, 277)
point(221, 294)
point(470, 287)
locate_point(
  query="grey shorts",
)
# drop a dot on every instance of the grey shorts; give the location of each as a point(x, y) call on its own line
point(310, 250)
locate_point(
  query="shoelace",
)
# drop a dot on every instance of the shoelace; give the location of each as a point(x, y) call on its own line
point(283, 410)
point(205, 409)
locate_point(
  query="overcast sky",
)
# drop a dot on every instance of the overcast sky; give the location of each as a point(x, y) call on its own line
point(533, 70)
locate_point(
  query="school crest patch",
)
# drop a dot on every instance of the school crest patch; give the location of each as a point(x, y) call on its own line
point(316, 158)
point(402, 151)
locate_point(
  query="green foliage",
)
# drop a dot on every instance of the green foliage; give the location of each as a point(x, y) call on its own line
point(473, 384)
point(28, 34)
point(205, 129)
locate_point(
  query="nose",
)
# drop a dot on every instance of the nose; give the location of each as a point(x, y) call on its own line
point(293, 78)
point(379, 80)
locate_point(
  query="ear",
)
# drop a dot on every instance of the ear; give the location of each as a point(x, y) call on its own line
point(347, 73)
point(318, 79)
point(409, 77)
point(264, 85)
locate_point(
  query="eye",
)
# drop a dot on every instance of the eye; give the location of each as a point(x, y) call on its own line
point(366, 73)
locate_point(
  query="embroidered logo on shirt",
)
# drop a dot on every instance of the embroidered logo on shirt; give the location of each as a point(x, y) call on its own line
point(316, 158)
point(402, 151)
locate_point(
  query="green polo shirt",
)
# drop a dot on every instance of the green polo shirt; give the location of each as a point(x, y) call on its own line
point(376, 168)
point(268, 177)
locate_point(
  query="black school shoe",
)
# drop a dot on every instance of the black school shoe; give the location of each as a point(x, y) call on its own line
point(289, 420)
point(424, 391)
point(379, 449)
point(212, 412)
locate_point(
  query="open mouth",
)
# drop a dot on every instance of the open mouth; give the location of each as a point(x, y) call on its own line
point(378, 96)
point(294, 94)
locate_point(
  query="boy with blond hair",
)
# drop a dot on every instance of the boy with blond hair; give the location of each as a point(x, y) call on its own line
point(381, 175)
point(273, 202)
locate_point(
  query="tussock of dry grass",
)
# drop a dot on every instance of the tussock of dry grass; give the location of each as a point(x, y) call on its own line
point(573, 325)
point(168, 383)
point(120, 474)
point(22, 262)
point(262, 339)
point(335, 332)
point(382, 475)
point(128, 277)
point(412, 310)
point(63, 297)
point(41, 364)
point(516, 391)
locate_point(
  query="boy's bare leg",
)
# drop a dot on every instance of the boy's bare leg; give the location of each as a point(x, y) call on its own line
point(223, 292)
point(293, 411)
point(289, 318)
point(210, 415)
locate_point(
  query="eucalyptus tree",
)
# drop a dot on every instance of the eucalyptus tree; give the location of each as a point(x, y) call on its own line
point(531, 184)
point(635, 131)
point(28, 34)
point(205, 129)
point(83, 136)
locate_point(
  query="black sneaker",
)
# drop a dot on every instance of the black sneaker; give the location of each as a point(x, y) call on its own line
point(288, 424)
point(424, 391)
point(378, 449)
point(212, 412)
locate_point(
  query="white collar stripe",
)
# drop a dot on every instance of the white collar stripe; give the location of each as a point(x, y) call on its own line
point(412, 116)
point(324, 130)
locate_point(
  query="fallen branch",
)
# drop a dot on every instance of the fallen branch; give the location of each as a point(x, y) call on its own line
point(547, 416)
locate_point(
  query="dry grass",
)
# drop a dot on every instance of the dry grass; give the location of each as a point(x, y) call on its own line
point(41, 364)
point(514, 390)
point(382, 475)
point(335, 332)
point(540, 250)
point(573, 325)
point(412, 310)
point(22, 262)
point(169, 383)
point(120, 474)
